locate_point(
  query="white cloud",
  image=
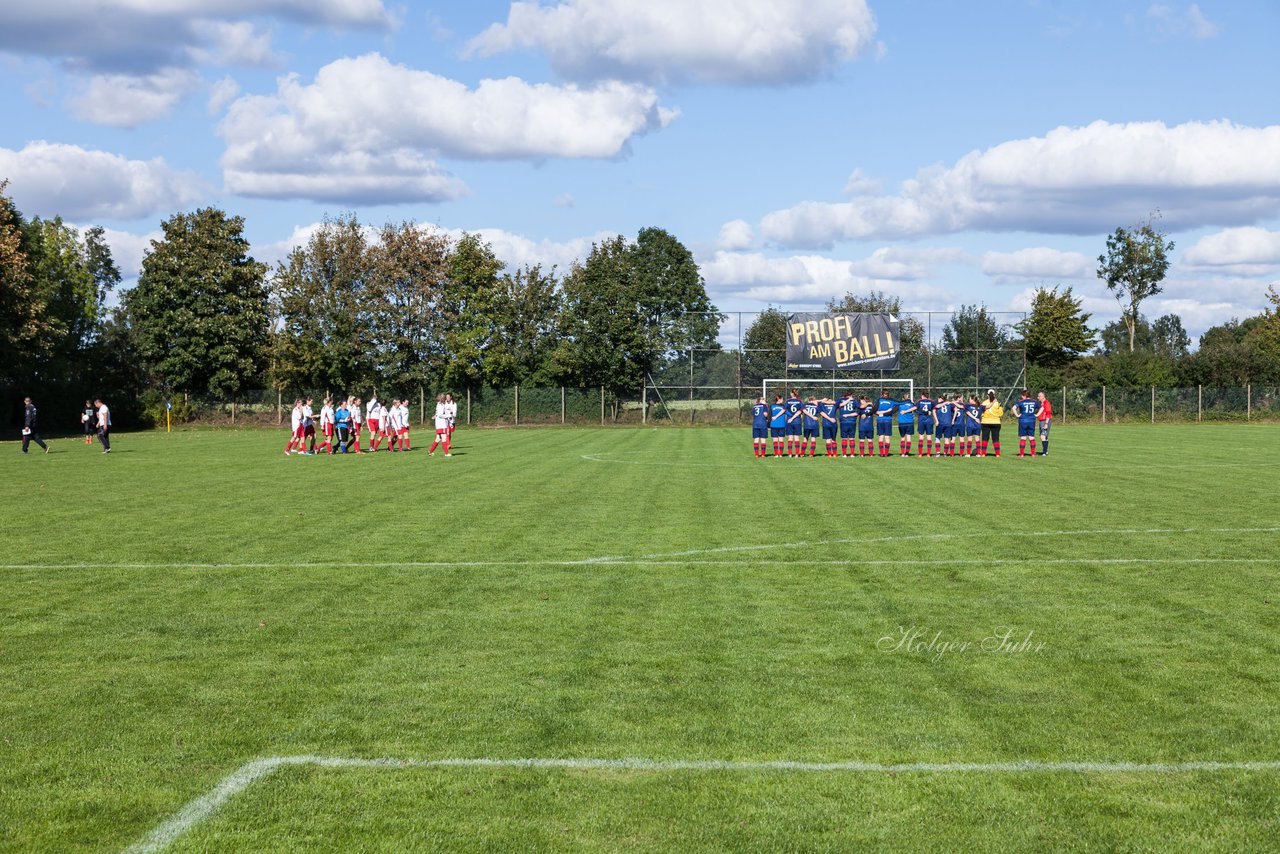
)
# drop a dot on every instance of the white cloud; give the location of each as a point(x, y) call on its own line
point(1189, 22)
point(710, 41)
point(126, 100)
point(1248, 251)
point(1084, 180)
point(516, 250)
point(51, 179)
point(368, 131)
point(810, 279)
point(564, 200)
point(139, 36)
point(220, 94)
point(904, 263)
point(735, 236)
point(127, 249)
point(1038, 263)
point(860, 184)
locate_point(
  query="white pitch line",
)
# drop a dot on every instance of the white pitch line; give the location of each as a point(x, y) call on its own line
point(669, 558)
point(203, 807)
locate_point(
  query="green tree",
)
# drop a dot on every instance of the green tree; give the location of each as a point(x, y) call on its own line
point(971, 328)
point(71, 277)
point(1169, 339)
point(1133, 267)
point(764, 347)
point(527, 320)
point(22, 322)
point(1056, 332)
point(409, 267)
point(199, 312)
point(467, 310)
point(324, 337)
point(630, 309)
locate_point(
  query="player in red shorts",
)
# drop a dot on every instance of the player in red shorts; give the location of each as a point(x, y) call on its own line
point(296, 438)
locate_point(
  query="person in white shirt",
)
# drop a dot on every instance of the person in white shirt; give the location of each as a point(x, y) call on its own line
point(372, 418)
point(309, 425)
point(453, 413)
point(104, 426)
point(442, 427)
point(295, 429)
point(357, 419)
point(326, 425)
point(404, 424)
point(391, 424)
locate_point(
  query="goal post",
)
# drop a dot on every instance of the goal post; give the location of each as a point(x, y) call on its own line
point(836, 387)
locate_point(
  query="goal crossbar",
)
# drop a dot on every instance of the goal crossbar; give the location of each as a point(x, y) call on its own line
point(836, 386)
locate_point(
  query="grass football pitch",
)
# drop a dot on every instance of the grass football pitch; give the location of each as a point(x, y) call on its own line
point(643, 640)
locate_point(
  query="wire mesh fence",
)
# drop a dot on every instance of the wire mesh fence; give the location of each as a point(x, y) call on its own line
point(681, 405)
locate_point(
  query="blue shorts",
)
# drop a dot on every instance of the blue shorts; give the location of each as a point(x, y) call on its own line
point(1026, 429)
point(778, 432)
point(849, 429)
point(972, 429)
point(865, 430)
point(945, 431)
point(759, 432)
point(926, 426)
point(810, 432)
point(829, 432)
point(906, 428)
point(793, 429)
point(884, 427)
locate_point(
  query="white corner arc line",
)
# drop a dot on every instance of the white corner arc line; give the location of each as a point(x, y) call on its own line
point(206, 805)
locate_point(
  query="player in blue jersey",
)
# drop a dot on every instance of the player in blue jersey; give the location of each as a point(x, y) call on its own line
point(809, 419)
point(906, 426)
point(1026, 410)
point(866, 425)
point(972, 426)
point(848, 424)
point(946, 434)
point(778, 423)
point(885, 407)
point(830, 426)
point(759, 427)
point(794, 405)
point(924, 425)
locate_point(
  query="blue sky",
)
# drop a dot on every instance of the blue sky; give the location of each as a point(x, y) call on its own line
point(951, 153)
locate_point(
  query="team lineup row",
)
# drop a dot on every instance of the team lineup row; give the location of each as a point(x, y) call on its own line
point(339, 426)
point(853, 425)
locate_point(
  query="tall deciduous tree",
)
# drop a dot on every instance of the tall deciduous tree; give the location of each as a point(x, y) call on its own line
point(526, 314)
point(971, 328)
point(466, 309)
point(71, 277)
point(199, 312)
point(1057, 330)
point(408, 271)
point(324, 338)
point(764, 346)
point(21, 312)
point(1133, 267)
point(629, 307)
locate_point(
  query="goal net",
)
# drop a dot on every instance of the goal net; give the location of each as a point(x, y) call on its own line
point(835, 389)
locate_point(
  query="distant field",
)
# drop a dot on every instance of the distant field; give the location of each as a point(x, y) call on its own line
point(695, 650)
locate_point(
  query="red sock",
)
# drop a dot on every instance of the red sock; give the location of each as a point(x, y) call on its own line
point(1033, 447)
point(432, 449)
point(446, 444)
point(997, 448)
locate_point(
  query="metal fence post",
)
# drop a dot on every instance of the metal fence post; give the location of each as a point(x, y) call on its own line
point(468, 406)
point(561, 404)
point(1104, 404)
point(1199, 403)
point(1248, 402)
point(601, 406)
point(279, 405)
point(1064, 404)
point(644, 404)
point(517, 405)
point(1153, 404)
point(422, 406)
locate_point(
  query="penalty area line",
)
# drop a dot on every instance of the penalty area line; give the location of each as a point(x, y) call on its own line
point(206, 805)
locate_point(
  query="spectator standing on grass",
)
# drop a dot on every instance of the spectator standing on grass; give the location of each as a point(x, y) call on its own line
point(104, 425)
point(992, 412)
point(1045, 417)
point(30, 427)
point(89, 421)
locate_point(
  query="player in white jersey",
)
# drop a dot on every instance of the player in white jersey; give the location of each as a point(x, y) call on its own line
point(404, 424)
point(326, 425)
point(452, 412)
point(357, 419)
point(309, 425)
point(392, 425)
point(442, 427)
point(295, 429)
point(384, 429)
point(371, 415)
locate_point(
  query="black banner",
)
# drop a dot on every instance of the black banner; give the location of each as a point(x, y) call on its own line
point(828, 342)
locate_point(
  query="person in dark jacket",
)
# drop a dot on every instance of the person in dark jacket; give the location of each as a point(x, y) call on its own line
point(31, 428)
point(89, 421)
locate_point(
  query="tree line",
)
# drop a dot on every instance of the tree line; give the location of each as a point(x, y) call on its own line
point(404, 306)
